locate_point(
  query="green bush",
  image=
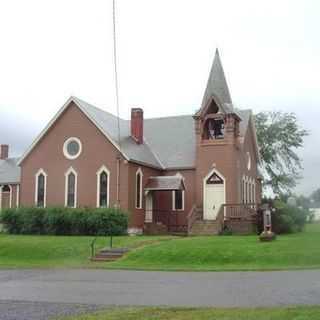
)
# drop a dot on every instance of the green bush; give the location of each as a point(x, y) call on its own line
point(288, 219)
point(64, 221)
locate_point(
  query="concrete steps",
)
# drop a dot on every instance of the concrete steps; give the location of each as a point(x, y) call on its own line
point(205, 227)
point(112, 254)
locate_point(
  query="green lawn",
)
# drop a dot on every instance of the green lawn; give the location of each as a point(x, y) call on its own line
point(213, 253)
point(58, 251)
point(297, 313)
point(294, 251)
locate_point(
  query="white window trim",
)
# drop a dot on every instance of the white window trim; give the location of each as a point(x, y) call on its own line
point(139, 171)
point(18, 196)
point(102, 169)
point(65, 148)
point(41, 171)
point(174, 196)
point(71, 170)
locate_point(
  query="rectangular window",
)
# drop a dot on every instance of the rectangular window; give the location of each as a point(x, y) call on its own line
point(178, 200)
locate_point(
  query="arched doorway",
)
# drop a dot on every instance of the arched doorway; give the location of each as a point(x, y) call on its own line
point(214, 196)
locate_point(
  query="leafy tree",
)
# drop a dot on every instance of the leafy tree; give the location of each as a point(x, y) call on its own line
point(279, 135)
point(315, 196)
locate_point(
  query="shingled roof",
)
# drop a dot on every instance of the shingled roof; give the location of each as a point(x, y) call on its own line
point(9, 171)
point(169, 143)
point(217, 84)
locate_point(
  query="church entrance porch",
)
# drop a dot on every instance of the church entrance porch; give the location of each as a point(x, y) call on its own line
point(160, 218)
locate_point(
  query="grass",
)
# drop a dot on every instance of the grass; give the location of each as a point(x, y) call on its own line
point(294, 313)
point(59, 251)
point(226, 253)
point(295, 251)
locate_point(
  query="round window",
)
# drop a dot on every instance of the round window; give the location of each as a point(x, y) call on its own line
point(72, 148)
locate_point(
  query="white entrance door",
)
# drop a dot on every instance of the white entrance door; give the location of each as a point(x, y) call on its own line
point(214, 196)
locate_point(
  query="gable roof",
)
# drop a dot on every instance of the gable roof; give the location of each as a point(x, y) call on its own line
point(169, 143)
point(9, 171)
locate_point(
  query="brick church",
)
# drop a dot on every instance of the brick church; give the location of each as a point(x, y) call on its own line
point(194, 174)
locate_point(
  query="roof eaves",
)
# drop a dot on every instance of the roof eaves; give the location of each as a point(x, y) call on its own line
point(145, 164)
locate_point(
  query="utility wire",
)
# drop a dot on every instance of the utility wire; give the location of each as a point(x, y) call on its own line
point(116, 68)
point(117, 97)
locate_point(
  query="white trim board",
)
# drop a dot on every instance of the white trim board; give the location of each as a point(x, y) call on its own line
point(40, 171)
point(71, 170)
point(107, 171)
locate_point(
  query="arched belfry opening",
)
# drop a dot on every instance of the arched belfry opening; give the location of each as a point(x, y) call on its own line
point(213, 122)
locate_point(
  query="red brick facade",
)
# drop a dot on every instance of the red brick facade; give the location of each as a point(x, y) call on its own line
point(233, 156)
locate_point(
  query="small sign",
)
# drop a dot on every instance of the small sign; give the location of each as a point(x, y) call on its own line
point(214, 179)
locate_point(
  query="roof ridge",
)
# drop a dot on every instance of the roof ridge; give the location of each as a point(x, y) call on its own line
point(81, 101)
point(169, 117)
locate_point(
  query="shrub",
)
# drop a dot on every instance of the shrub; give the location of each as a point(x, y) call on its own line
point(286, 218)
point(65, 221)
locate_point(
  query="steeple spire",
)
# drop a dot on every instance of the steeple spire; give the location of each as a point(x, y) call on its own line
point(217, 84)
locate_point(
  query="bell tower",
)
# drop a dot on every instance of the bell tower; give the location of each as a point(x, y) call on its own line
point(217, 131)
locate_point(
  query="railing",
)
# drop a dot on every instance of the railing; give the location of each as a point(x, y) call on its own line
point(173, 220)
point(192, 217)
point(241, 211)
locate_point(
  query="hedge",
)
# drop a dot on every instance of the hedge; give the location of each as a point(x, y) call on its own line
point(64, 221)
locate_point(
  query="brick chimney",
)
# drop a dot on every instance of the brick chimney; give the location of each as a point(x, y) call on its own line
point(137, 124)
point(4, 151)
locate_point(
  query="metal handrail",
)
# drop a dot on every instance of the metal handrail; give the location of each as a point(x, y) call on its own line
point(92, 246)
point(191, 217)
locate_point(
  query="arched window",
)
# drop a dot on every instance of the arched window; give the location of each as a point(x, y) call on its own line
point(139, 176)
point(103, 176)
point(71, 188)
point(41, 189)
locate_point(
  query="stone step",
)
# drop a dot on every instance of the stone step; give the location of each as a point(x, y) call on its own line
point(102, 259)
point(114, 251)
point(205, 227)
point(109, 254)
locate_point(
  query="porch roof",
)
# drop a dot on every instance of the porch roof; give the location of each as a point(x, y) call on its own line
point(165, 183)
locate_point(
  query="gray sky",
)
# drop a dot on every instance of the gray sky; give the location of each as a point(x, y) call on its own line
point(50, 50)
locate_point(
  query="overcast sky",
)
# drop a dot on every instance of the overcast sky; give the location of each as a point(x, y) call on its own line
point(50, 50)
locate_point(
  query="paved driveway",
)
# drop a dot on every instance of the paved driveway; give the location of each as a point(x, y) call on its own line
point(61, 291)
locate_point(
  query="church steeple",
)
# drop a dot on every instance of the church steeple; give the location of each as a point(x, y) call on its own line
point(217, 84)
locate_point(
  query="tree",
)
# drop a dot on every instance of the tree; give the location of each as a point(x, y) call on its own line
point(279, 136)
point(315, 197)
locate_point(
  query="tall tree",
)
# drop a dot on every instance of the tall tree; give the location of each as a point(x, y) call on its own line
point(279, 136)
point(315, 196)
